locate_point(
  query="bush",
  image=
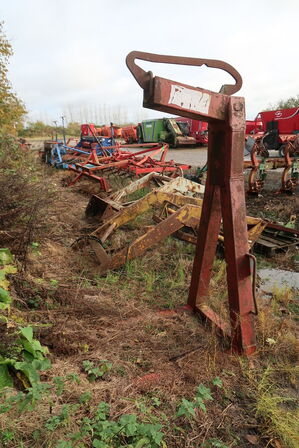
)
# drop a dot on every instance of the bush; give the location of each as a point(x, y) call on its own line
point(23, 197)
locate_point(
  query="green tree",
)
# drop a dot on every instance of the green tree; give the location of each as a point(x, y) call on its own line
point(12, 109)
point(37, 129)
point(73, 129)
point(292, 101)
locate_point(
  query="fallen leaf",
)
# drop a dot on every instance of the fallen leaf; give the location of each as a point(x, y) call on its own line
point(252, 439)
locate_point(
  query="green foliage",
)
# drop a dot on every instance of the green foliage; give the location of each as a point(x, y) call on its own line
point(63, 444)
point(217, 382)
point(30, 361)
point(11, 108)
point(6, 436)
point(6, 257)
point(127, 431)
point(292, 101)
point(276, 408)
point(85, 397)
point(6, 268)
point(214, 443)
point(41, 129)
point(188, 408)
point(34, 245)
point(5, 299)
point(95, 427)
point(96, 372)
point(62, 418)
point(5, 378)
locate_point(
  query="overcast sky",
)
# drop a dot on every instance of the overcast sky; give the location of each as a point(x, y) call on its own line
point(69, 55)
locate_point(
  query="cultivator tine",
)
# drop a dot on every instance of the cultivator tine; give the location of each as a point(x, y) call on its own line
point(259, 167)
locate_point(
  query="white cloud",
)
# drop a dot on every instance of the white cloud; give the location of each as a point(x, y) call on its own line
point(72, 53)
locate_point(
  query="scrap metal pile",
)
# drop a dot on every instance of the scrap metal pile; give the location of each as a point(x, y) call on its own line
point(176, 206)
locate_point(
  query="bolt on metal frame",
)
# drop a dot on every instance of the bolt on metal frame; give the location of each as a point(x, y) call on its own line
point(224, 198)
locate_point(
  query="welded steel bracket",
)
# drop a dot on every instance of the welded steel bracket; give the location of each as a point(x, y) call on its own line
point(224, 198)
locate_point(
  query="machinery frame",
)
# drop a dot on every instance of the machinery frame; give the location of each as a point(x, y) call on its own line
point(224, 198)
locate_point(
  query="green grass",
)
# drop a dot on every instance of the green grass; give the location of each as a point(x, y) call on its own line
point(276, 407)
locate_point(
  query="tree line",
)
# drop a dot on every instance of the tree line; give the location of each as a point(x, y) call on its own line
point(41, 129)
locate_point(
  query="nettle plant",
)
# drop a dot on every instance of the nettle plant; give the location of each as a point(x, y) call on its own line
point(127, 431)
point(97, 428)
point(130, 430)
point(103, 432)
point(96, 372)
point(188, 408)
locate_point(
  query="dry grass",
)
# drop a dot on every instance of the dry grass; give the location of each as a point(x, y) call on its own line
point(131, 318)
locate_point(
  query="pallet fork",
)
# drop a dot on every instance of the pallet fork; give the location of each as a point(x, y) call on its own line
point(224, 197)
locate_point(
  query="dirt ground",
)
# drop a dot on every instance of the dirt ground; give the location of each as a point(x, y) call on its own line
point(133, 318)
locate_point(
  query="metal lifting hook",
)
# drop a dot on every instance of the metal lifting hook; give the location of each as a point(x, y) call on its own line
point(143, 77)
point(224, 198)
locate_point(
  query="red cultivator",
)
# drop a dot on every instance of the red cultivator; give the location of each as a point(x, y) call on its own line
point(259, 167)
point(124, 162)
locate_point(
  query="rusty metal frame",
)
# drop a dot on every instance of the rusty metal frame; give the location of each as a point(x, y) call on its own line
point(258, 167)
point(178, 212)
point(103, 208)
point(126, 162)
point(224, 195)
point(172, 192)
point(290, 183)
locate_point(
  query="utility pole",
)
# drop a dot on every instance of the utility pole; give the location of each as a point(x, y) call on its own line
point(55, 122)
point(112, 134)
point(63, 129)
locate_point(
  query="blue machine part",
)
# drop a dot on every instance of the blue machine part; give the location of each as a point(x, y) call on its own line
point(59, 149)
point(103, 142)
point(55, 159)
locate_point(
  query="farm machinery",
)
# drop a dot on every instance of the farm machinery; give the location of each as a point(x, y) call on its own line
point(178, 131)
point(166, 130)
point(194, 128)
point(260, 165)
point(124, 162)
point(217, 217)
point(223, 207)
point(97, 158)
point(129, 134)
point(177, 205)
point(274, 129)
